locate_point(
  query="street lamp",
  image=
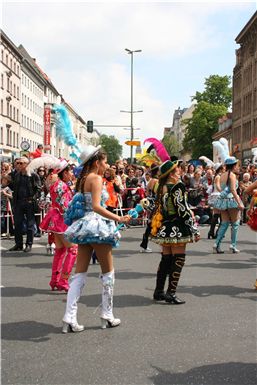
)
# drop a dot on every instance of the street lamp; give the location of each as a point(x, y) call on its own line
point(130, 52)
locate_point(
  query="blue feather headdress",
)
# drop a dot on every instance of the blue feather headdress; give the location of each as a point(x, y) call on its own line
point(64, 129)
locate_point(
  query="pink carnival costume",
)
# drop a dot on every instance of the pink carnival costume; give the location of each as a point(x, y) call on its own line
point(64, 258)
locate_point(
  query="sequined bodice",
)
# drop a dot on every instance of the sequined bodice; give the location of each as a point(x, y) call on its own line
point(88, 199)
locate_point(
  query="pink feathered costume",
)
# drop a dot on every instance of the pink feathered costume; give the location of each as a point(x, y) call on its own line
point(64, 258)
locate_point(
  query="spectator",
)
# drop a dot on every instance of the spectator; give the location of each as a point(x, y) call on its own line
point(6, 195)
point(26, 191)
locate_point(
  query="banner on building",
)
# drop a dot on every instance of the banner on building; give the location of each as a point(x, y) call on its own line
point(47, 127)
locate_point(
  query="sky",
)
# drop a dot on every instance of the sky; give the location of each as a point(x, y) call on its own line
point(81, 46)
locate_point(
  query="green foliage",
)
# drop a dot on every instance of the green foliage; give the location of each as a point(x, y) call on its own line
point(217, 91)
point(212, 103)
point(171, 144)
point(112, 147)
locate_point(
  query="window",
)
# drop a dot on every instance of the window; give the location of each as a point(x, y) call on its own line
point(11, 64)
point(8, 84)
point(14, 67)
point(17, 140)
point(10, 138)
point(6, 60)
point(7, 108)
point(2, 81)
point(10, 111)
point(2, 56)
point(17, 115)
point(10, 87)
point(18, 70)
point(18, 93)
point(7, 135)
point(14, 90)
point(14, 113)
point(247, 130)
point(2, 107)
point(14, 136)
point(1, 136)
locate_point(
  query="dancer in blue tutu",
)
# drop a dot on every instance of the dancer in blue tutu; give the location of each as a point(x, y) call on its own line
point(229, 204)
point(92, 227)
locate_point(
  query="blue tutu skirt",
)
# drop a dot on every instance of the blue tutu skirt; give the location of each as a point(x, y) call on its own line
point(222, 203)
point(92, 228)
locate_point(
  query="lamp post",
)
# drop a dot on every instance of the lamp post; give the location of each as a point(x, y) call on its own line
point(130, 52)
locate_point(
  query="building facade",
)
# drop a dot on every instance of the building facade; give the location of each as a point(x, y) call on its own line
point(27, 99)
point(244, 126)
point(10, 135)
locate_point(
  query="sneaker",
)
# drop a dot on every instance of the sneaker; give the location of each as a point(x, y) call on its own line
point(27, 249)
point(147, 250)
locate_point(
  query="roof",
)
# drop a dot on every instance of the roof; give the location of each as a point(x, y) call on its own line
point(247, 27)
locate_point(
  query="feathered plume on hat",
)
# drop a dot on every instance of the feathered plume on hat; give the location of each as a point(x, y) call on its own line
point(254, 152)
point(64, 129)
point(149, 158)
point(221, 148)
point(159, 148)
point(207, 161)
point(45, 160)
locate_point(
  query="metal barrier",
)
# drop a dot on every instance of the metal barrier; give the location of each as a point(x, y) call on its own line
point(8, 216)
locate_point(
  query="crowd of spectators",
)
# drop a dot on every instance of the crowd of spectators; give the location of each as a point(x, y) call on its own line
point(24, 198)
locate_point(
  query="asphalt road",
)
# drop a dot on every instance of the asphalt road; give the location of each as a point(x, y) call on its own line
point(211, 340)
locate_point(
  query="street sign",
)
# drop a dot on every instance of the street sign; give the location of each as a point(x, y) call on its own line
point(133, 142)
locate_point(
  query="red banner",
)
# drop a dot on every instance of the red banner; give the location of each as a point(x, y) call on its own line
point(47, 126)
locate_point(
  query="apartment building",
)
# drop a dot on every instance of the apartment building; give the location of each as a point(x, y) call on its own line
point(244, 126)
point(32, 101)
point(10, 72)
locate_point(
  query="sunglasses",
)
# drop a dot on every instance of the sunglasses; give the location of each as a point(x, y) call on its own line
point(41, 170)
point(20, 162)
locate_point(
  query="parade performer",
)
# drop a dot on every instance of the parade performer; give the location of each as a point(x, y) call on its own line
point(219, 169)
point(172, 227)
point(65, 252)
point(93, 228)
point(154, 156)
point(229, 204)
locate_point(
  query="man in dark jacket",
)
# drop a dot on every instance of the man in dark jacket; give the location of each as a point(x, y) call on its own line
point(26, 191)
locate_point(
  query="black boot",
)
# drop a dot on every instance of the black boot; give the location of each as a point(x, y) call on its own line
point(214, 221)
point(163, 271)
point(175, 272)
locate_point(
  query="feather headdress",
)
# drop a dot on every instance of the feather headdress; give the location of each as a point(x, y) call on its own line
point(64, 127)
point(254, 152)
point(148, 158)
point(159, 148)
point(45, 160)
point(221, 148)
point(207, 161)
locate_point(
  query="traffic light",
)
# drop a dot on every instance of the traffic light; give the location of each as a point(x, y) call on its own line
point(90, 126)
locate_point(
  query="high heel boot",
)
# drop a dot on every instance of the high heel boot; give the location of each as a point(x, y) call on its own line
point(175, 272)
point(107, 318)
point(68, 264)
point(221, 234)
point(234, 234)
point(70, 322)
point(162, 272)
point(59, 255)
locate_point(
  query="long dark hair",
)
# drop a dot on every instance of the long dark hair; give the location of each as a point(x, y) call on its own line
point(100, 155)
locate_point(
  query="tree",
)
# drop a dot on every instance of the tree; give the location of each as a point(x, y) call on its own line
point(212, 103)
point(171, 144)
point(112, 147)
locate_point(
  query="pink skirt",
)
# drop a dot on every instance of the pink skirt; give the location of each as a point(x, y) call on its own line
point(53, 222)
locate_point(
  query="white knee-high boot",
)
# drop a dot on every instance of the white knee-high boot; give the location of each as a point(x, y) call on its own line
point(107, 318)
point(70, 317)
